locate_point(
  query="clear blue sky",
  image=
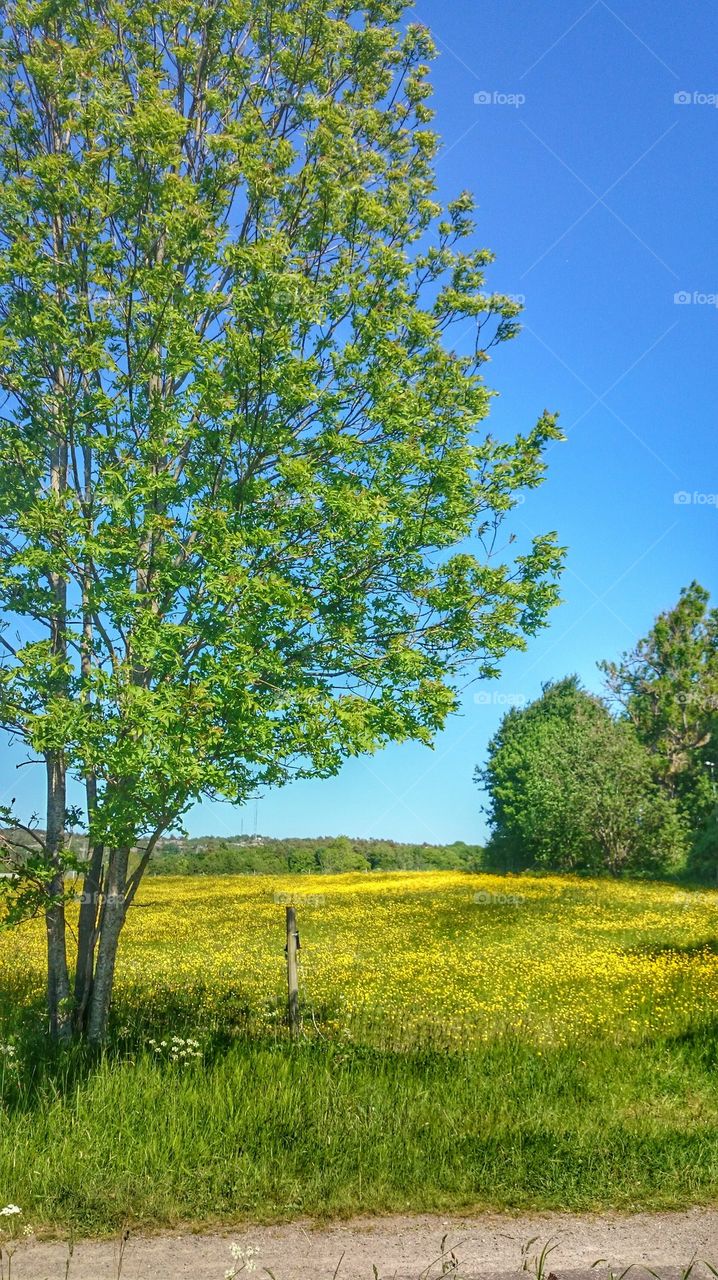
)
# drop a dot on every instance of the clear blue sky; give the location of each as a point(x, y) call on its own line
point(598, 195)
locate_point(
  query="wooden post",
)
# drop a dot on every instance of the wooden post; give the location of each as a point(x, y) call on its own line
point(292, 981)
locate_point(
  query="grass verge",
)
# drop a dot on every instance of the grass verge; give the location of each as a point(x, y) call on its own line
point(269, 1131)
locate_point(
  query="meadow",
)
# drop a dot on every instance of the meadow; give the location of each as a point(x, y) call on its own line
point(467, 1041)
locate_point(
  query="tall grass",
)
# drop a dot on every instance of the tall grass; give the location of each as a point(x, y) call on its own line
point(270, 1131)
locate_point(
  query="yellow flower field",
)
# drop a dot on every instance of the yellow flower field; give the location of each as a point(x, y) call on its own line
point(406, 956)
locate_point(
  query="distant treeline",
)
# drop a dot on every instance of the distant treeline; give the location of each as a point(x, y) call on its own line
point(210, 855)
point(262, 855)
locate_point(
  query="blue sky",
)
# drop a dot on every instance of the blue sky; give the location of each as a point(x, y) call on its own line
point(597, 192)
point(598, 195)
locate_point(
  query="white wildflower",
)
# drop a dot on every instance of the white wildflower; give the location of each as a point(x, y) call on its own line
point(245, 1256)
point(176, 1049)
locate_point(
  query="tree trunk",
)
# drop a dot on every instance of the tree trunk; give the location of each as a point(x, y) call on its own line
point(113, 918)
point(87, 931)
point(58, 978)
point(87, 934)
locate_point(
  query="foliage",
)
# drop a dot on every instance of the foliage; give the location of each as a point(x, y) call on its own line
point(702, 862)
point(339, 855)
point(667, 686)
point(208, 855)
point(571, 788)
point(238, 447)
point(27, 884)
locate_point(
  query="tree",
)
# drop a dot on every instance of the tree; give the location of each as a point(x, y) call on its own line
point(238, 448)
point(667, 686)
point(303, 861)
point(703, 855)
point(340, 855)
point(570, 788)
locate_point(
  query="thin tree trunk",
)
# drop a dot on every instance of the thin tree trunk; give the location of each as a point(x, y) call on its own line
point(58, 978)
point(87, 934)
point(113, 918)
point(90, 910)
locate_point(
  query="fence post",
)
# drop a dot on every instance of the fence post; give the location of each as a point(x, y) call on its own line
point(292, 982)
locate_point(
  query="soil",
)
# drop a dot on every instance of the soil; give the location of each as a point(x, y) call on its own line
point(487, 1246)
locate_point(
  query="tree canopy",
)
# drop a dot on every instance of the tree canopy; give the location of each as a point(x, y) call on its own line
point(667, 686)
point(571, 788)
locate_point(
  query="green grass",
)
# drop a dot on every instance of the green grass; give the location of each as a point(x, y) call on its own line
point(268, 1131)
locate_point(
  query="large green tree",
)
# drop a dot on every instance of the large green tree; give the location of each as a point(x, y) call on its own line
point(571, 788)
point(238, 442)
point(667, 686)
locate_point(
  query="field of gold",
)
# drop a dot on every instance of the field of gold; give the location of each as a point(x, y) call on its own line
point(400, 958)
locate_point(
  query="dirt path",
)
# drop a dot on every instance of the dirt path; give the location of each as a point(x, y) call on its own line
point(486, 1246)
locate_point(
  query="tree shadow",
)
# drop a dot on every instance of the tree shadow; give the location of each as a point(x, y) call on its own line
point(698, 1044)
point(704, 945)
